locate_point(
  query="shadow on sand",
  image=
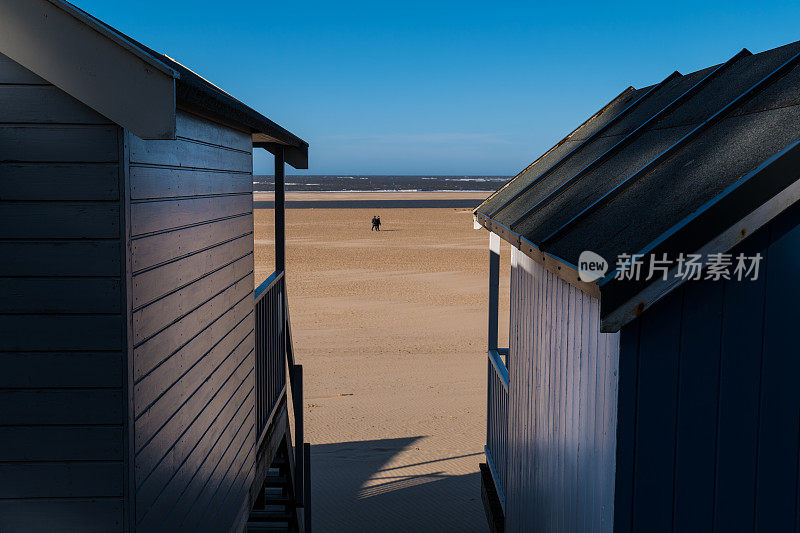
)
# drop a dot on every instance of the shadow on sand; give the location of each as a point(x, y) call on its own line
point(400, 496)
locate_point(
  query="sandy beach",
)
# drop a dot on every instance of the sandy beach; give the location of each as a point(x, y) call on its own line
point(390, 327)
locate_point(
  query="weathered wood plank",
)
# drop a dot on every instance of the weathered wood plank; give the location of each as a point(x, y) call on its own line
point(154, 283)
point(64, 258)
point(44, 104)
point(159, 182)
point(154, 216)
point(200, 129)
point(150, 319)
point(61, 480)
point(159, 347)
point(89, 515)
point(60, 332)
point(162, 490)
point(78, 443)
point(42, 407)
point(59, 220)
point(60, 143)
point(77, 182)
point(147, 252)
point(60, 295)
point(13, 72)
point(60, 369)
point(191, 154)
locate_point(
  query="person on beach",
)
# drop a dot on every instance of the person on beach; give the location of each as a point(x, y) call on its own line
point(376, 223)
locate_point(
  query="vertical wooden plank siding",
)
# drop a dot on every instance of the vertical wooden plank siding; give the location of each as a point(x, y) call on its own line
point(709, 416)
point(61, 316)
point(562, 406)
point(193, 326)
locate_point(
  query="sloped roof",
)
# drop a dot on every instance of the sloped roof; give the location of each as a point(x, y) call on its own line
point(106, 70)
point(670, 167)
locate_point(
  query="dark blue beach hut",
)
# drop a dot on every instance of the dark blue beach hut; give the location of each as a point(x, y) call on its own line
point(651, 379)
point(143, 382)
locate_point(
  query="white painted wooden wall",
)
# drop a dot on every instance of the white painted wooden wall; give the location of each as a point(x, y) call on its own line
point(562, 406)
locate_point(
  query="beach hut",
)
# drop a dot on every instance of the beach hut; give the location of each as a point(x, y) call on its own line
point(142, 380)
point(650, 383)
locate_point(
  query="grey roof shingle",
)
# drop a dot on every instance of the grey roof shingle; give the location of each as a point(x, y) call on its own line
point(658, 155)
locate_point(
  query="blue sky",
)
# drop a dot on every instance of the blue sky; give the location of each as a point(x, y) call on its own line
point(440, 87)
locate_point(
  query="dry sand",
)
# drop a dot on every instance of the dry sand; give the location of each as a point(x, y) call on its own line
point(390, 327)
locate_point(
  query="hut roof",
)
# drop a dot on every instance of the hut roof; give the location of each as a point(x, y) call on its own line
point(123, 79)
point(694, 163)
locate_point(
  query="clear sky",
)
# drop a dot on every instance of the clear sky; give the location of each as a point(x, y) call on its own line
point(440, 87)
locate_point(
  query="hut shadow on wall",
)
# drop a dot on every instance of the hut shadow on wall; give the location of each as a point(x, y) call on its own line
point(407, 496)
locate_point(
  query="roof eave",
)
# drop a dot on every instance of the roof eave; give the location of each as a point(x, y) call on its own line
point(716, 227)
point(68, 48)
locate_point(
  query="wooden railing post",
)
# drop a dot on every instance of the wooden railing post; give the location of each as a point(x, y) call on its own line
point(494, 288)
point(299, 455)
point(280, 211)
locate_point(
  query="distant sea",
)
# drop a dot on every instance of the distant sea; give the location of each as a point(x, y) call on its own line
point(341, 183)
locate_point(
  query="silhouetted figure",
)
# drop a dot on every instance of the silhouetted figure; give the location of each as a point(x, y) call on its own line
point(377, 223)
point(374, 223)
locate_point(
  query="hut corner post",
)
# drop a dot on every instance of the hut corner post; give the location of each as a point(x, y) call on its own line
point(494, 288)
point(280, 210)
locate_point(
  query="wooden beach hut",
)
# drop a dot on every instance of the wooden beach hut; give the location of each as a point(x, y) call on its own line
point(142, 379)
point(664, 399)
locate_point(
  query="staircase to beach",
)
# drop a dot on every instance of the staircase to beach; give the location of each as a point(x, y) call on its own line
point(276, 509)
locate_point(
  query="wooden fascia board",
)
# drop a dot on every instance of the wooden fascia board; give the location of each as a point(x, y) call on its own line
point(70, 50)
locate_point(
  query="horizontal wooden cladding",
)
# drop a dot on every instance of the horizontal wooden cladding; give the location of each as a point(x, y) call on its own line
point(159, 314)
point(87, 515)
point(59, 220)
point(60, 332)
point(59, 143)
point(13, 72)
point(147, 252)
point(44, 104)
point(172, 383)
point(61, 480)
point(199, 129)
point(60, 443)
point(229, 496)
point(59, 182)
point(61, 407)
point(206, 463)
point(211, 501)
point(155, 216)
point(161, 426)
point(63, 258)
point(158, 348)
point(154, 283)
point(159, 182)
point(27, 370)
point(193, 467)
point(188, 154)
point(60, 295)
point(161, 459)
point(222, 331)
